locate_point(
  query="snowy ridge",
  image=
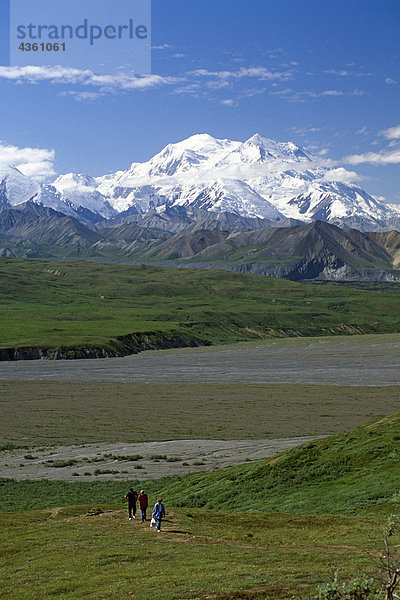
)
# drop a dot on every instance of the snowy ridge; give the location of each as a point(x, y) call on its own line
point(257, 178)
point(81, 189)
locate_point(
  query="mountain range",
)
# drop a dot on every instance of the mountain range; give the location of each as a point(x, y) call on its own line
point(179, 237)
point(255, 179)
point(259, 207)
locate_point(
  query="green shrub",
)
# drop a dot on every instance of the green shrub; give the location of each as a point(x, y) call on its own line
point(360, 588)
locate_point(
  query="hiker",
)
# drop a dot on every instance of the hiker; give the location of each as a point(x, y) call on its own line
point(158, 513)
point(143, 504)
point(131, 498)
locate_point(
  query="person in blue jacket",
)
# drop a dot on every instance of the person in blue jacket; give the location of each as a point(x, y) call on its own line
point(158, 513)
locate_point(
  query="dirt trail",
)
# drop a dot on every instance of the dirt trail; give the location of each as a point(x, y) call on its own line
point(54, 513)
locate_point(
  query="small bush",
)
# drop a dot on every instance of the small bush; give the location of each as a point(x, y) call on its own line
point(4, 447)
point(59, 464)
point(105, 472)
point(131, 458)
point(360, 588)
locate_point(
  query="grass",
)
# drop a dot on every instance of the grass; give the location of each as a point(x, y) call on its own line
point(281, 547)
point(350, 473)
point(65, 554)
point(354, 473)
point(48, 552)
point(81, 305)
point(40, 413)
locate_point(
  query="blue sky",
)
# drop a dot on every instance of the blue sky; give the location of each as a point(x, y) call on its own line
point(324, 74)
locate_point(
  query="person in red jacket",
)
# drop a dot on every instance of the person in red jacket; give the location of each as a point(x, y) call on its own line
point(143, 504)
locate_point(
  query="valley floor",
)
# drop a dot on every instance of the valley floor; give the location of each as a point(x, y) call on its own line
point(90, 411)
point(345, 360)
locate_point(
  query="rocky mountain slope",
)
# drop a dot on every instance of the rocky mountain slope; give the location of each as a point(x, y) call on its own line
point(314, 251)
point(317, 250)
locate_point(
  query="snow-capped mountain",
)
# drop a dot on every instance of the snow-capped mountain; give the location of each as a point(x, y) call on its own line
point(81, 189)
point(16, 189)
point(259, 149)
point(258, 178)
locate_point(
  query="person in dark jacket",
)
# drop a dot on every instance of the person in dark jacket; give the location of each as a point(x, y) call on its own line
point(143, 504)
point(159, 513)
point(131, 498)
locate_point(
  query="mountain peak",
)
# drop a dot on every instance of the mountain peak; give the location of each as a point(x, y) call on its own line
point(74, 179)
point(10, 170)
point(269, 148)
point(201, 137)
point(259, 139)
point(259, 177)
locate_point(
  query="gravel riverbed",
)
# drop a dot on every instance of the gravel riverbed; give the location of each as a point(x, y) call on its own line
point(149, 460)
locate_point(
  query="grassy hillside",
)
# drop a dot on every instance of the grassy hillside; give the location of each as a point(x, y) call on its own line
point(200, 554)
point(352, 473)
point(349, 473)
point(80, 304)
point(260, 554)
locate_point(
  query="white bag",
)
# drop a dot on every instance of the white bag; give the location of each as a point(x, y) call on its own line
point(152, 522)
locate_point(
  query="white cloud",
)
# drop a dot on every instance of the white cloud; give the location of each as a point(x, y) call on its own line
point(285, 92)
point(250, 93)
point(34, 162)
point(302, 96)
point(33, 74)
point(229, 102)
point(80, 96)
point(305, 130)
point(256, 72)
point(342, 73)
point(332, 93)
point(392, 133)
point(346, 73)
point(161, 47)
point(88, 85)
point(67, 75)
point(261, 73)
point(390, 81)
point(192, 89)
point(217, 84)
point(342, 175)
point(375, 158)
